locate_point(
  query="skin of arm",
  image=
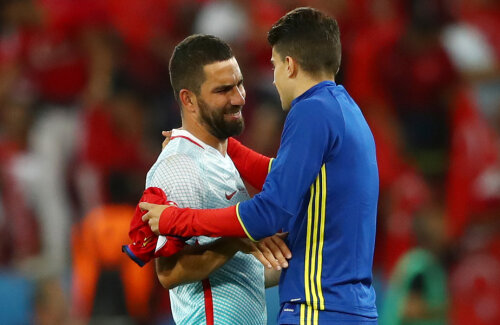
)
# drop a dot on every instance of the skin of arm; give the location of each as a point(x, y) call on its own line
point(272, 277)
point(195, 263)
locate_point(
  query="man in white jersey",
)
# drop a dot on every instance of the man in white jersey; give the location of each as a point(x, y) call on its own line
point(211, 281)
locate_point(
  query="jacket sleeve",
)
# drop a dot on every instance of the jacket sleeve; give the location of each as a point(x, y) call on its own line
point(252, 166)
point(308, 137)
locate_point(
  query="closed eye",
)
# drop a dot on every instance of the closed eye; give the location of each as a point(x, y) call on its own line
point(223, 89)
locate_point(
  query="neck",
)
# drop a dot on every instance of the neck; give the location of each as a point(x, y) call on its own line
point(306, 82)
point(197, 129)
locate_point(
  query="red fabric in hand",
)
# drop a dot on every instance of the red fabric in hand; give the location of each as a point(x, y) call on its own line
point(252, 166)
point(144, 241)
point(188, 222)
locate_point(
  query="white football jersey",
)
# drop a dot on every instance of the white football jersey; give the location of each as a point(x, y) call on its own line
point(196, 175)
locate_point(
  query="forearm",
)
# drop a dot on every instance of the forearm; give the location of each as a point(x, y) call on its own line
point(195, 263)
point(193, 222)
point(272, 277)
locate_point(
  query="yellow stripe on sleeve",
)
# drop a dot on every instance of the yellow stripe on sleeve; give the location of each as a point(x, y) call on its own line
point(315, 237)
point(302, 314)
point(270, 164)
point(308, 247)
point(316, 317)
point(321, 238)
point(315, 244)
point(309, 315)
point(241, 222)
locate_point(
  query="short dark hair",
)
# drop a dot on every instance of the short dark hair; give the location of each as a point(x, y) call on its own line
point(189, 58)
point(310, 37)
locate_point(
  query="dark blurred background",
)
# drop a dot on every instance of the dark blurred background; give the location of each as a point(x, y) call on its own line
point(85, 94)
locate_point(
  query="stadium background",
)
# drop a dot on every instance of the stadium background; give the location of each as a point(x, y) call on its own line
point(84, 95)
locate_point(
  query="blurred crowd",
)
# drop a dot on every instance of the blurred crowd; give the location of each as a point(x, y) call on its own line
point(85, 94)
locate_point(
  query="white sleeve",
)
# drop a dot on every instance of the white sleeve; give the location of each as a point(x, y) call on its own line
point(182, 181)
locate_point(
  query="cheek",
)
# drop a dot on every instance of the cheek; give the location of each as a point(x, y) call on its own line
point(275, 79)
point(217, 101)
point(277, 84)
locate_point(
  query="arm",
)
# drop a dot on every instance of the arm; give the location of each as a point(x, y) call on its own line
point(310, 138)
point(252, 166)
point(306, 140)
point(195, 263)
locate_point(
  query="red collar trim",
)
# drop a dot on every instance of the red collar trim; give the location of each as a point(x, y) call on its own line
point(187, 138)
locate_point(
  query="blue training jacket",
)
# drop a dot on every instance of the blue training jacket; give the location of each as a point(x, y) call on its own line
point(323, 189)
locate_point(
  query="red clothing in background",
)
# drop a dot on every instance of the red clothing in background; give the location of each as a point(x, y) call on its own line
point(474, 153)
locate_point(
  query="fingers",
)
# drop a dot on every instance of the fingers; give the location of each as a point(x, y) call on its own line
point(259, 256)
point(145, 206)
point(167, 135)
point(153, 222)
point(282, 235)
point(249, 247)
point(273, 254)
point(146, 217)
point(281, 245)
point(154, 213)
point(275, 250)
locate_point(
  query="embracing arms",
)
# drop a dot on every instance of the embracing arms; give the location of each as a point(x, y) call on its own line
point(197, 262)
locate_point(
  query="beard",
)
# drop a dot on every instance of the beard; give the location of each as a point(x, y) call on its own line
point(215, 122)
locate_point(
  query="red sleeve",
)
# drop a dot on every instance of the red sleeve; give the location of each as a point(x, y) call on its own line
point(193, 222)
point(143, 246)
point(252, 166)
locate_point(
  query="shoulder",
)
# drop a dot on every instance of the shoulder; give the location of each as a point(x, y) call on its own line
point(176, 162)
point(180, 145)
point(319, 105)
point(174, 166)
point(179, 151)
point(318, 112)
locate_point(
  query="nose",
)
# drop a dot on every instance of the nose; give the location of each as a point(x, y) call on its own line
point(238, 96)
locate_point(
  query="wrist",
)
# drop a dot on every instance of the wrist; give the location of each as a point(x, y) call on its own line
point(230, 246)
point(175, 222)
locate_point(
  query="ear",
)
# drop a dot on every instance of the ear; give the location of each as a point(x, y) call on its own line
point(292, 67)
point(188, 100)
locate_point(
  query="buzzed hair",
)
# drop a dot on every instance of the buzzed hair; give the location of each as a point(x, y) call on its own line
point(309, 36)
point(189, 58)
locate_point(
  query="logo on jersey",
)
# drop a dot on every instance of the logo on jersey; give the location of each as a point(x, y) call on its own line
point(230, 196)
point(147, 240)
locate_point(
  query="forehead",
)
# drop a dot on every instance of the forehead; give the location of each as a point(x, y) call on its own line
point(222, 72)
